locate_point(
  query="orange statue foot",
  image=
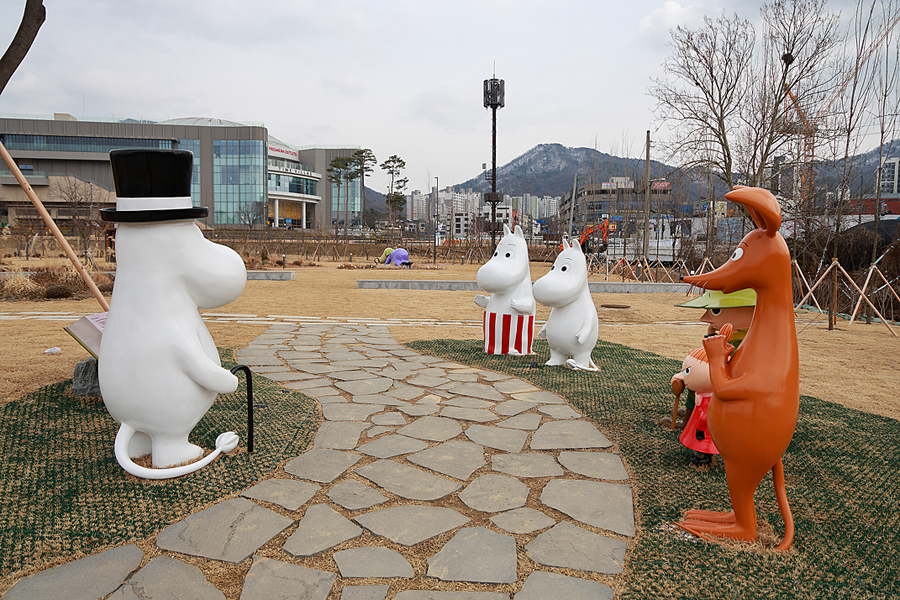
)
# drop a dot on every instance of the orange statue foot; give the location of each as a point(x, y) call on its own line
point(711, 530)
point(709, 516)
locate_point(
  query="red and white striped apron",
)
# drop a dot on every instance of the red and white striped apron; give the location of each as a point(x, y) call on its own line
point(504, 332)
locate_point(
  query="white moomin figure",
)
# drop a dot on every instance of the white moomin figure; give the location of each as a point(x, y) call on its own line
point(509, 310)
point(158, 366)
point(571, 329)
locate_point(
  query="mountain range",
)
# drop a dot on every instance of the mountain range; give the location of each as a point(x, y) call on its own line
point(550, 170)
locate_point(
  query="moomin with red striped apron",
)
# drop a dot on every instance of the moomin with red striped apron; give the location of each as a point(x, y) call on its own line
point(508, 334)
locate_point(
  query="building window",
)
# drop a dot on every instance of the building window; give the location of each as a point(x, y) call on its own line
point(194, 147)
point(71, 143)
point(239, 182)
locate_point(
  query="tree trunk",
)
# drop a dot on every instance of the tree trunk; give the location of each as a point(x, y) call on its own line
point(34, 17)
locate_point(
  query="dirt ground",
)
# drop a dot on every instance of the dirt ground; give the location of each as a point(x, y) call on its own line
point(855, 366)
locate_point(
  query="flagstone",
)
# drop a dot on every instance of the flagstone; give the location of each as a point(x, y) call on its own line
point(373, 562)
point(412, 523)
point(164, 577)
point(392, 445)
point(321, 465)
point(94, 576)
point(350, 412)
point(495, 493)
point(508, 440)
point(320, 529)
point(339, 435)
point(391, 418)
point(530, 464)
point(465, 402)
point(270, 579)
point(526, 422)
point(229, 531)
point(376, 385)
point(353, 495)
point(287, 493)
point(541, 585)
point(522, 520)
point(602, 505)
point(476, 555)
point(540, 397)
point(476, 390)
point(455, 458)
point(513, 407)
point(571, 547)
point(382, 399)
point(435, 429)
point(513, 386)
point(559, 411)
point(406, 481)
point(568, 435)
point(477, 415)
point(599, 465)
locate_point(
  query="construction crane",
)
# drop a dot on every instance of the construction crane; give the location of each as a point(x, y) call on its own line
point(584, 240)
point(808, 127)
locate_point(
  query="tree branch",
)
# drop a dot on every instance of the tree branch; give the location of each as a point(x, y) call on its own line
point(34, 17)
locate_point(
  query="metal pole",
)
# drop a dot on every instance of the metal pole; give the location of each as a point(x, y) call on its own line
point(493, 177)
point(53, 228)
point(437, 196)
point(647, 201)
point(572, 205)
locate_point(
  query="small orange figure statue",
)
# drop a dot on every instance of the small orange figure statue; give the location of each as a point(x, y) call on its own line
point(694, 375)
point(756, 395)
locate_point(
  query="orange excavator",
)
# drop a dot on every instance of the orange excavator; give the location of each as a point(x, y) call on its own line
point(584, 240)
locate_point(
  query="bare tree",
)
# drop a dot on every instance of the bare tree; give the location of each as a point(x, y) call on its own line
point(725, 101)
point(886, 96)
point(82, 198)
point(798, 42)
point(32, 19)
point(707, 76)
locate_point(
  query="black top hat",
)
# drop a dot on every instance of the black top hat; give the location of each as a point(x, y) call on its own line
point(152, 186)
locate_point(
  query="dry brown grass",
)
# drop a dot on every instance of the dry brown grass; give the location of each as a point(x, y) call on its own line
point(852, 365)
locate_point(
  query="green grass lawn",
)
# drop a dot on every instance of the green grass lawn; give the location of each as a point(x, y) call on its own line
point(62, 491)
point(841, 471)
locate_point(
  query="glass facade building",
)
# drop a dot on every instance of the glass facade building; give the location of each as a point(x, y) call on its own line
point(339, 201)
point(239, 182)
point(194, 147)
point(240, 174)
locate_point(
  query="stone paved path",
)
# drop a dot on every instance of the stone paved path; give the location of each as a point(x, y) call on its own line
point(427, 480)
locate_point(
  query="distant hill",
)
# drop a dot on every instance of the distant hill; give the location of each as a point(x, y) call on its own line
point(549, 170)
point(375, 201)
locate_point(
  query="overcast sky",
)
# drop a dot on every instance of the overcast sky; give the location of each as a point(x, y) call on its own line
point(398, 76)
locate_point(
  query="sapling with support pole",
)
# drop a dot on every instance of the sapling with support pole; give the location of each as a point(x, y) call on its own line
point(837, 266)
point(873, 269)
point(48, 220)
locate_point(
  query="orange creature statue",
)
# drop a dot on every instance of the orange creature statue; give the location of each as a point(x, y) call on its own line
point(756, 395)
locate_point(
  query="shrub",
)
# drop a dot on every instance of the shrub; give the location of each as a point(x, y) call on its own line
point(58, 290)
point(20, 287)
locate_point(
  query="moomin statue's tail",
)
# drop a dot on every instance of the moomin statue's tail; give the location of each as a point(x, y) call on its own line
point(226, 442)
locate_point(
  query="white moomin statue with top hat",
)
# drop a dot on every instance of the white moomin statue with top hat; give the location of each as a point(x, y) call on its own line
point(159, 369)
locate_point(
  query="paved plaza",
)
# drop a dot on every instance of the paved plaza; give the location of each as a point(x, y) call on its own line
point(498, 485)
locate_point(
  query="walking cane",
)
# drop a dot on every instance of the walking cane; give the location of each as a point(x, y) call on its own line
point(677, 389)
point(247, 373)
